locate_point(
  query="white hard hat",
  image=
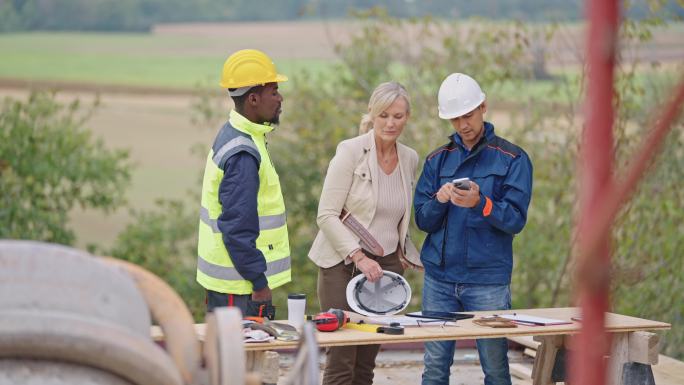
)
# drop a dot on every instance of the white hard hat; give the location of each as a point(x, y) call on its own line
point(458, 95)
point(387, 296)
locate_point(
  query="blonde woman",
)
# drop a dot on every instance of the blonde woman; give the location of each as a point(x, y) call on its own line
point(372, 177)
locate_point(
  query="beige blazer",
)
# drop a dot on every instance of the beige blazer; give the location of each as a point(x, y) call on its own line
point(351, 184)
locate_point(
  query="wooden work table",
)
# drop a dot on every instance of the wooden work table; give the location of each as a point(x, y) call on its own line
point(464, 329)
point(628, 344)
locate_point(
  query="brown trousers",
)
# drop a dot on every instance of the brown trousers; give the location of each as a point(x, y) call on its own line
point(349, 365)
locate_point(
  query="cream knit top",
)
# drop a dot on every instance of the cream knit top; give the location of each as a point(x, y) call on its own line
point(389, 211)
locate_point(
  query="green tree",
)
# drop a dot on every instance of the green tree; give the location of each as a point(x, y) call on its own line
point(50, 164)
point(163, 241)
point(9, 19)
point(141, 15)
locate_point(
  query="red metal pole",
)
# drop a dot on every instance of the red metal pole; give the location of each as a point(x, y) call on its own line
point(587, 366)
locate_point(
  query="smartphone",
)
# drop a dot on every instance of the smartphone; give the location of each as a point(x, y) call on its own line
point(462, 183)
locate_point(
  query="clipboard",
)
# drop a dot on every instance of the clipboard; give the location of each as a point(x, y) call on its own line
point(524, 319)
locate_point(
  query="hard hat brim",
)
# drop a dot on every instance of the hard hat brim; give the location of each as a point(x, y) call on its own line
point(276, 79)
point(462, 111)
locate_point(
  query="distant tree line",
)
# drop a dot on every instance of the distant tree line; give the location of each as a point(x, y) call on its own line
point(141, 15)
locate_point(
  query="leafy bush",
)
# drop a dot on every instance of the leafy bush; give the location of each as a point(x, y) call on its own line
point(49, 164)
point(163, 240)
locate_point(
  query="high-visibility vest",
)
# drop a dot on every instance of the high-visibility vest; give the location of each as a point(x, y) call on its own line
point(215, 269)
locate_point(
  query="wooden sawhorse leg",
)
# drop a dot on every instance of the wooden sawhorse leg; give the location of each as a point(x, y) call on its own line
point(545, 359)
point(266, 363)
point(632, 355)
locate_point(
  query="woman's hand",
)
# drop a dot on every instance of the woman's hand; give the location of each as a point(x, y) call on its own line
point(367, 266)
point(405, 264)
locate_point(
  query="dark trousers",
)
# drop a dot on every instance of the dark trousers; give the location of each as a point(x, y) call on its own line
point(216, 299)
point(349, 365)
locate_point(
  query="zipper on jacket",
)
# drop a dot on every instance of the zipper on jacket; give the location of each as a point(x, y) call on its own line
point(476, 150)
point(268, 152)
point(442, 262)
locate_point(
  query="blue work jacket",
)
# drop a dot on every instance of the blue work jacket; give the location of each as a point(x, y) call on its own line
point(474, 245)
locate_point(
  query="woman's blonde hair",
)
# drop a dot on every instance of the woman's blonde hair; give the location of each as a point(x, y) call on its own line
point(383, 96)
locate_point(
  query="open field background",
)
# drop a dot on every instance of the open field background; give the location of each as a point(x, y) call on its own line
point(178, 57)
point(147, 83)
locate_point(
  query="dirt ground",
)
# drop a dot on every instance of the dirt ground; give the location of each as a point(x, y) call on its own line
point(405, 367)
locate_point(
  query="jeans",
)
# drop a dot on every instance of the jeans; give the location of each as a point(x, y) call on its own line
point(439, 355)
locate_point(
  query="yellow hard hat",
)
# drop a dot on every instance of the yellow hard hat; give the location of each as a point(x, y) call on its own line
point(249, 67)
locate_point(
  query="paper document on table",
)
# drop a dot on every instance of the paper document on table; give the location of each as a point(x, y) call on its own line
point(408, 321)
point(525, 319)
point(254, 336)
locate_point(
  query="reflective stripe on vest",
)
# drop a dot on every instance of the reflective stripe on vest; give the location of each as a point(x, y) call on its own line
point(266, 222)
point(234, 143)
point(231, 273)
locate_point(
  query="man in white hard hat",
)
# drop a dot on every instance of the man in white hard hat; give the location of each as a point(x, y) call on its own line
point(468, 254)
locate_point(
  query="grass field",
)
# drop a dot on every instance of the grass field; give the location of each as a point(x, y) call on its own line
point(184, 55)
point(136, 60)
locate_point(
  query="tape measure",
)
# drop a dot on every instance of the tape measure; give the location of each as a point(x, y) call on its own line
point(394, 329)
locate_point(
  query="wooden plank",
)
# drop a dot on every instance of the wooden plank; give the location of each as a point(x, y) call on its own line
point(464, 329)
point(520, 371)
point(618, 357)
point(668, 371)
point(527, 341)
point(643, 347)
point(530, 352)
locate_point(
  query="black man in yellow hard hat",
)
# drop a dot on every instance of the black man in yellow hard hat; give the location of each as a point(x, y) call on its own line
point(243, 248)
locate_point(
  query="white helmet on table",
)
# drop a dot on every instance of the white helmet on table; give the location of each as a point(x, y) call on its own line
point(458, 95)
point(387, 296)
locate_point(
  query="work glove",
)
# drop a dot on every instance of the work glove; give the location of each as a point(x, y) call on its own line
point(263, 309)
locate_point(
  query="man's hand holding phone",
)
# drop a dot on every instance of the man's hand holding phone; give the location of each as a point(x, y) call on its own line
point(461, 183)
point(465, 193)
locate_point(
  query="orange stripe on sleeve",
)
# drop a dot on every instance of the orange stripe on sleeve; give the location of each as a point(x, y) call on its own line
point(487, 207)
